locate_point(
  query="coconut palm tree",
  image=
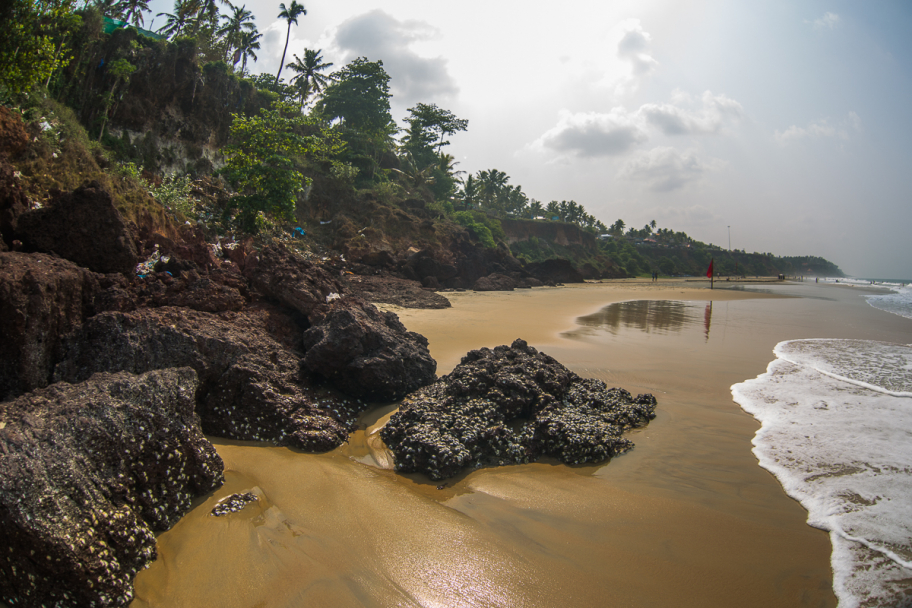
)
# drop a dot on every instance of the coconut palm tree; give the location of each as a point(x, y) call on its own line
point(240, 21)
point(291, 15)
point(133, 10)
point(536, 209)
point(109, 8)
point(309, 79)
point(492, 183)
point(246, 45)
point(469, 194)
point(184, 14)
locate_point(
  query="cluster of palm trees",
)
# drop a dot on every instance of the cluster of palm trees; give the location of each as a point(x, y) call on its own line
point(490, 191)
point(234, 33)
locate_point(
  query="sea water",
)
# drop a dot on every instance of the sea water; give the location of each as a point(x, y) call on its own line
point(836, 430)
point(899, 302)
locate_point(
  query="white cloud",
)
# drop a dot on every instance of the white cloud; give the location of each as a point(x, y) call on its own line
point(829, 21)
point(672, 119)
point(634, 47)
point(693, 215)
point(592, 134)
point(377, 35)
point(664, 168)
point(821, 128)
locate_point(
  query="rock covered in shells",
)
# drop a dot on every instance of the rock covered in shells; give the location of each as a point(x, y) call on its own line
point(233, 503)
point(41, 299)
point(251, 387)
point(367, 353)
point(509, 405)
point(290, 280)
point(87, 473)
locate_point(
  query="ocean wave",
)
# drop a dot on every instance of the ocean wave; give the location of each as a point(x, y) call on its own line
point(836, 431)
point(899, 302)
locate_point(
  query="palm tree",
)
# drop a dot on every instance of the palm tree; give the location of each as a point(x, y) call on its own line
point(553, 209)
point(309, 79)
point(291, 15)
point(238, 22)
point(246, 45)
point(184, 13)
point(133, 10)
point(469, 192)
point(109, 8)
point(536, 209)
point(492, 183)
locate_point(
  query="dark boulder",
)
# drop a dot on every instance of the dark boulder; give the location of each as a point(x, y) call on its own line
point(87, 473)
point(41, 299)
point(509, 405)
point(251, 386)
point(367, 353)
point(13, 201)
point(292, 281)
point(555, 270)
point(83, 227)
point(495, 282)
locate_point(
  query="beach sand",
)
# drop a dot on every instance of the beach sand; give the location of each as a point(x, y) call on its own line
point(686, 518)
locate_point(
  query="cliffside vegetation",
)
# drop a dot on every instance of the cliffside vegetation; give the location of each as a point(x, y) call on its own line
point(175, 116)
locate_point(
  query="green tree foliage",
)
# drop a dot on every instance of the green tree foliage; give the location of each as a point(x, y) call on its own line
point(264, 162)
point(359, 97)
point(34, 41)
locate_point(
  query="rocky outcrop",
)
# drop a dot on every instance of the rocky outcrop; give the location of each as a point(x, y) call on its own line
point(495, 282)
point(251, 388)
point(367, 353)
point(393, 290)
point(554, 271)
point(87, 473)
point(41, 299)
point(213, 291)
point(508, 405)
point(292, 281)
point(83, 227)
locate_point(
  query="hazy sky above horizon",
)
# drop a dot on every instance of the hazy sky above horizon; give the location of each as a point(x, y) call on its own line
point(790, 122)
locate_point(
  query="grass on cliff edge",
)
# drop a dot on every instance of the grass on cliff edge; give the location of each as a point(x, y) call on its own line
point(61, 156)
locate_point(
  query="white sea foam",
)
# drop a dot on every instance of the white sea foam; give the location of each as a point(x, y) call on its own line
point(899, 302)
point(836, 431)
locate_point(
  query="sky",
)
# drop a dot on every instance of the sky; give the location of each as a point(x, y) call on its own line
point(787, 125)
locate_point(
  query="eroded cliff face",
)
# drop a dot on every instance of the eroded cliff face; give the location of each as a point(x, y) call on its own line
point(173, 113)
point(560, 233)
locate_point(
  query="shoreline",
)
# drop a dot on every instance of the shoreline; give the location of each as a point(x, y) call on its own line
point(686, 518)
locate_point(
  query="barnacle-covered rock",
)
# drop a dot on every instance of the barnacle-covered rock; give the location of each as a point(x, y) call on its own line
point(367, 353)
point(509, 405)
point(41, 299)
point(87, 472)
point(290, 280)
point(250, 385)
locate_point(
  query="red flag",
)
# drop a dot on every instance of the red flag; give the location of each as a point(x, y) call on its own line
point(709, 273)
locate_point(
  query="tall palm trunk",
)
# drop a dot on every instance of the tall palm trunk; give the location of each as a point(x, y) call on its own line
point(281, 65)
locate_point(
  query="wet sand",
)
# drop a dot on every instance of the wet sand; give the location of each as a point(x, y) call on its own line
point(686, 518)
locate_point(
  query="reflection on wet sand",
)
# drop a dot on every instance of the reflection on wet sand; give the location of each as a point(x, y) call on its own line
point(650, 316)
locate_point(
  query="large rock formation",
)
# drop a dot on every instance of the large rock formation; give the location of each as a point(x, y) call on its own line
point(87, 473)
point(511, 404)
point(367, 353)
point(292, 281)
point(82, 226)
point(251, 387)
point(41, 298)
